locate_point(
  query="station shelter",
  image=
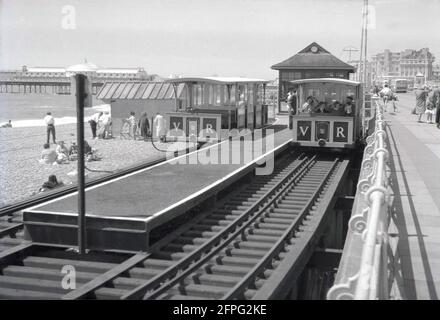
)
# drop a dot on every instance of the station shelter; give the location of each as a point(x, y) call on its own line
point(312, 62)
point(216, 104)
point(138, 97)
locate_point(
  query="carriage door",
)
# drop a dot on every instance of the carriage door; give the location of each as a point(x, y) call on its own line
point(192, 128)
point(322, 130)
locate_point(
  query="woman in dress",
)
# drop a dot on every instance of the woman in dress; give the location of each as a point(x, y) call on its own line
point(421, 95)
point(144, 125)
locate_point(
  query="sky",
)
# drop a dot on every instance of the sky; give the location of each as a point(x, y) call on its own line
point(205, 37)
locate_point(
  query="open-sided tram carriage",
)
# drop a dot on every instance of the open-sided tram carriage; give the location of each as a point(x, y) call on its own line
point(210, 105)
point(328, 113)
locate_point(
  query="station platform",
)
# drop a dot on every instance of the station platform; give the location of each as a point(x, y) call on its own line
point(415, 217)
point(138, 202)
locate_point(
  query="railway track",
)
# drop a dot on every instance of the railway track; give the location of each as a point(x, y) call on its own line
point(228, 252)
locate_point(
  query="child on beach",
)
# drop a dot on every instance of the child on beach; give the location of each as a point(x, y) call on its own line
point(62, 153)
point(48, 156)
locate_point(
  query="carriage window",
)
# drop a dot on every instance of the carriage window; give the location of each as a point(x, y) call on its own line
point(259, 94)
point(217, 95)
point(197, 94)
point(242, 93)
point(210, 93)
point(251, 94)
point(328, 98)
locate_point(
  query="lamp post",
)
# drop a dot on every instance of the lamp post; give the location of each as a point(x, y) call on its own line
point(83, 100)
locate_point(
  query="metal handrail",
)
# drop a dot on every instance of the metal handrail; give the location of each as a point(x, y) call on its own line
point(370, 223)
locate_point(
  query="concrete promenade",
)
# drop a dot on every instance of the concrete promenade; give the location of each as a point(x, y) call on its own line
point(415, 216)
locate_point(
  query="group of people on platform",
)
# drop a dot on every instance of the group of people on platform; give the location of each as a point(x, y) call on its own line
point(314, 106)
point(427, 102)
point(141, 128)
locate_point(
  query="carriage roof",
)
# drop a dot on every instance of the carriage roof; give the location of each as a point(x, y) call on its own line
point(328, 80)
point(217, 80)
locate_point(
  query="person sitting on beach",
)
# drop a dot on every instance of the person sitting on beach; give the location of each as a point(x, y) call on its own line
point(6, 125)
point(51, 183)
point(73, 152)
point(48, 156)
point(62, 152)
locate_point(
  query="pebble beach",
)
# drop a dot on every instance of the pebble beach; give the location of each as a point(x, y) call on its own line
point(21, 174)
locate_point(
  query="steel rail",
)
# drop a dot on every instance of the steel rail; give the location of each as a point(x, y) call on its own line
point(200, 255)
point(250, 277)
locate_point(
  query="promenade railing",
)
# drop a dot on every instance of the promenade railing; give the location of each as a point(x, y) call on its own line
point(364, 273)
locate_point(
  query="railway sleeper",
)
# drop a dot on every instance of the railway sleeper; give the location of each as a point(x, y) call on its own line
point(212, 280)
point(17, 294)
point(235, 261)
point(205, 227)
point(267, 219)
point(198, 233)
point(192, 240)
point(287, 210)
point(270, 226)
point(198, 290)
point(265, 232)
point(283, 215)
point(179, 247)
point(58, 264)
point(244, 253)
point(252, 245)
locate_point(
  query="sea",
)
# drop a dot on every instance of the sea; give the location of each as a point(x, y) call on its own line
point(28, 110)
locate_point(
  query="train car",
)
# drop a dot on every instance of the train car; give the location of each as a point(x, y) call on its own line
point(328, 113)
point(214, 104)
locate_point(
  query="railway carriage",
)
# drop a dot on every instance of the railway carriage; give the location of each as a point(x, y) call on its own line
point(328, 113)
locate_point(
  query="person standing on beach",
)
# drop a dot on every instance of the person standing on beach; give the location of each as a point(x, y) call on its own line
point(132, 124)
point(94, 122)
point(144, 125)
point(50, 122)
point(159, 124)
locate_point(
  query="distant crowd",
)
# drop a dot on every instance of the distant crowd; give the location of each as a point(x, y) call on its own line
point(427, 102)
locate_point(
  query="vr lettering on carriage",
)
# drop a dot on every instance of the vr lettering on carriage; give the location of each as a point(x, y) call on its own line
point(303, 132)
point(209, 128)
point(340, 132)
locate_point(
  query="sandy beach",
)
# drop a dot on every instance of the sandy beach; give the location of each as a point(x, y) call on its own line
point(20, 149)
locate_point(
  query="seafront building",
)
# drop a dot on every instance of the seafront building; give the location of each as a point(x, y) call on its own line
point(405, 64)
